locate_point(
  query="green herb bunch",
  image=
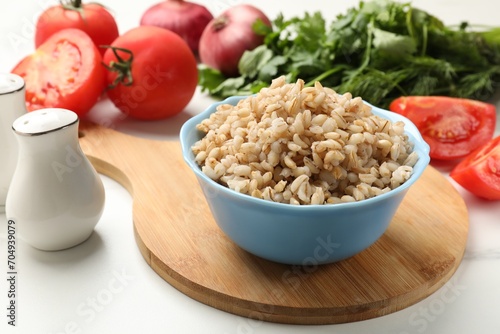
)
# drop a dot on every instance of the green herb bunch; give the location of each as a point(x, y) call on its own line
point(380, 50)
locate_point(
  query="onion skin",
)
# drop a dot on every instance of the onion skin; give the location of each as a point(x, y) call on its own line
point(186, 19)
point(228, 36)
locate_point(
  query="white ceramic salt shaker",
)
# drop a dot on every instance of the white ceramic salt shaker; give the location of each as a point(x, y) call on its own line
point(56, 196)
point(12, 106)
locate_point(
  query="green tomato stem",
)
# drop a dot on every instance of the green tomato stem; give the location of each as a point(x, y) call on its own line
point(71, 4)
point(123, 67)
point(74, 5)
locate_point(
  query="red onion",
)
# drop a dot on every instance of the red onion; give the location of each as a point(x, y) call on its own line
point(186, 19)
point(229, 35)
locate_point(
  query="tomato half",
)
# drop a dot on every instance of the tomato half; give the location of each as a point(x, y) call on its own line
point(453, 127)
point(152, 74)
point(91, 18)
point(479, 172)
point(64, 72)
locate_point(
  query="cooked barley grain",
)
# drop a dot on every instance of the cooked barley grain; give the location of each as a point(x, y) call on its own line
point(304, 145)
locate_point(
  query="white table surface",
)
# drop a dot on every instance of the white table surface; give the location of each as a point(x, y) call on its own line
point(105, 286)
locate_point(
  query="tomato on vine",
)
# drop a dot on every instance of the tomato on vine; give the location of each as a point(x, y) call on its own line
point(152, 73)
point(92, 18)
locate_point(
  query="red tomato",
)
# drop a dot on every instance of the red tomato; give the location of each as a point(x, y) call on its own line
point(64, 72)
point(92, 18)
point(453, 127)
point(479, 172)
point(153, 75)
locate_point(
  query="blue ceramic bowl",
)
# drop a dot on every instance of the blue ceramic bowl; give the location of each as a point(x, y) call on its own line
point(307, 234)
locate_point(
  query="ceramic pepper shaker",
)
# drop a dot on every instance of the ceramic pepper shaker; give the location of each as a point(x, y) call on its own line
point(56, 196)
point(12, 106)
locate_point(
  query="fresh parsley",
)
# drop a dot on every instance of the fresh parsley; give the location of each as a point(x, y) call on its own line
point(379, 50)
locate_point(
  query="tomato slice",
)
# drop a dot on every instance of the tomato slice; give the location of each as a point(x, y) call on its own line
point(479, 172)
point(453, 127)
point(64, 72)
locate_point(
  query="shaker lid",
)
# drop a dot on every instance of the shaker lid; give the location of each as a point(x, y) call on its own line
point(42, 121)
point(10, 83)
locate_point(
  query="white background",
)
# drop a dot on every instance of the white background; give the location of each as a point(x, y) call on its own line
point(105, 286)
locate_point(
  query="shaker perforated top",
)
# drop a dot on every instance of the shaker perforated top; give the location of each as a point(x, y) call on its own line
point(42, 121)
point(10, 83)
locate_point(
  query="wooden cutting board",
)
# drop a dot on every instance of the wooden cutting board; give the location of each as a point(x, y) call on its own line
point(179, 239)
